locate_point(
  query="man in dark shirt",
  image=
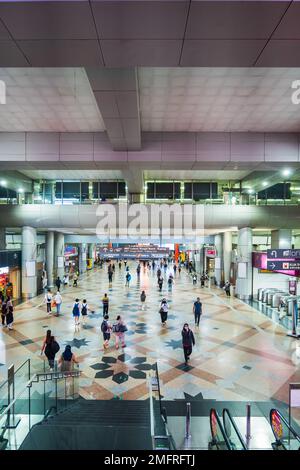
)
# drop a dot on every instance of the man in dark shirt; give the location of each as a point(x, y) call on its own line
point(197, 310)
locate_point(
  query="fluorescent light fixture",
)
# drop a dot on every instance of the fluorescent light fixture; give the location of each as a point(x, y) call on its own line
point(265, 183)
point(20, 190)
point(3, 183)
point(250, 191)
point(286, 172)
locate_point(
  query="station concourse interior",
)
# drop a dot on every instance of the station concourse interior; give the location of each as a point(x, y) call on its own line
point(150, 135)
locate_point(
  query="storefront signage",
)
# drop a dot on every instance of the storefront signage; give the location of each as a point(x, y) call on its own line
point(134, 251)
point(283, 254)
point(4, 270)
point(210, 252)
point(71, 250)
point(283, 265)
point(276, 424)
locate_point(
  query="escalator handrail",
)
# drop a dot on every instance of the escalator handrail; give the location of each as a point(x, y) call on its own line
point(242, 442)
point(226, 440)
point(295, 434)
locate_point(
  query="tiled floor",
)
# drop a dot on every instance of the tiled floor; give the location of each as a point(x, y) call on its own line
point(240, 355)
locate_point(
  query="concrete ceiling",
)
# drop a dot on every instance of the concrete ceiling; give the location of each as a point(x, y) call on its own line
point(218, 99)
point(48, 99)
point(126, 33)
point(84, 175)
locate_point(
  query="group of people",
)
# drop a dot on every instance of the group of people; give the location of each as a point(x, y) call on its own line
point(50, 348)
point(118, 328)
point(7, 312)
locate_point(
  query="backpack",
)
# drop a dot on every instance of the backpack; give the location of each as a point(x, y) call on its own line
point(104, 326)
point(116, 328)
point(76, 309)
point(128, 277)
point(122, 328)
point(55, 347)
point(84, 310)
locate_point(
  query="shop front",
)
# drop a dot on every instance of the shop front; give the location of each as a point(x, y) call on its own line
point(71, 257)
point(10, 274)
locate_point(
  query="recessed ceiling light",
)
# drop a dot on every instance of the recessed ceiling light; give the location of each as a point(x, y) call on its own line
point(3, 183)
point(286, 172)
point(20, 190)
point(250, 191)
point(265, 183)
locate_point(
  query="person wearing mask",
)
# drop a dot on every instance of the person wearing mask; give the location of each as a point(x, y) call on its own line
point(51, 349)
point(67, 360)
point(119, 328)
point(58, 302)
point(197, 310)
point(76, 312)
point(128, 279)
point(143, 299)
point(48, 301)
point(58, 283)
point(164, 309)
point(188, 341)
point(106, 330)
point(227, 288)
point(160, 283)
point(84, 310)
point(105, 304)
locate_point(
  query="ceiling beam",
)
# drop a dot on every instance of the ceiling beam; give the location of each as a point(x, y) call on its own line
point(116, 93)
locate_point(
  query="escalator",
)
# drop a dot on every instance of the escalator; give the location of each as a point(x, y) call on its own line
point(232, 432)
point(219, 439)
point(286, 437)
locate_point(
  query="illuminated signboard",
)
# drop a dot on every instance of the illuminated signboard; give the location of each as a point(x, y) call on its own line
point(276, 424)
point(4, 270)
point(213, 423)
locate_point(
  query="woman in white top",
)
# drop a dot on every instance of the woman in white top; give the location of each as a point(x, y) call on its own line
point(58, 302)
point(48, 301)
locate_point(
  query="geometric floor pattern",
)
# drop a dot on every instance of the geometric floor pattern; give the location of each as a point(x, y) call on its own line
point(240, 355)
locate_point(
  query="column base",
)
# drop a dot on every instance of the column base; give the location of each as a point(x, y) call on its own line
point(244, 296)
point(28, 296)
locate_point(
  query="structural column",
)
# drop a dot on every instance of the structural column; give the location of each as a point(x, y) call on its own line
point(244, 259)
point(2, 239)
point(82, 257)
point(59, 251)
point(91, 247)
point(227, 250)
point(29, 280)
point(50, 257)
point(281, 238)
point(219, 258)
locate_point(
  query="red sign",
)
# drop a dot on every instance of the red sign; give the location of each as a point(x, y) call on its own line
point(276, 424)
point(210, 252)
point(213, 423)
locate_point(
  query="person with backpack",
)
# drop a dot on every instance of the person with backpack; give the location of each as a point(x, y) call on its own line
point(164, 308)
point(84, 310)
point(143, 299)
point(9, 313)
point(119, 328)
point(160, 283)
point(58, 302)
point(46, 340)
point(106, 329)
point(76, 312)
point(197, 310)
point(48, 301)
point(188, 341)
point(105, 304)
point(128, 279)
point(51, 349)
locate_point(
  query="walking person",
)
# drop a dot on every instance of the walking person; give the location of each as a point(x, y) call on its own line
point(110, 277)
point(67, 359)
point(9, 313)
point(179, 269)
point(120, 265)
point(138, 270)
point(175, 269)
point(58, 302)
point(160, 283)
point(76, 313)
point(202, 279)
point(170, 282)
point(119, 328)
point(105, 304)
point(66, 280)
point(84, 310)
point(75, 280)
point(197, 310)
point(188, 341)
point(164, 309)
point(58, 283)
point(194, 279)
point(48, 301)
point(46, 340)
point(106, 330)
point(3, 313)
point(227, 288)
point(51, 349)
point(128, 279)
point(143, 299)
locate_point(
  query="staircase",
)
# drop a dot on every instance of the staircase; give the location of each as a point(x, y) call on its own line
point(94, 424)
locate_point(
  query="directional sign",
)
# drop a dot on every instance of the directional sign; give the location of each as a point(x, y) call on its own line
point(277, 253)
point(283, 265)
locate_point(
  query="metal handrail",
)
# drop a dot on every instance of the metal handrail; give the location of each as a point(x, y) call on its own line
point(20, 367)
point(188, 421)
point(290, 428)
point(158, 386)
point(29, 384)
point(227, 412)
point(220, 427)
